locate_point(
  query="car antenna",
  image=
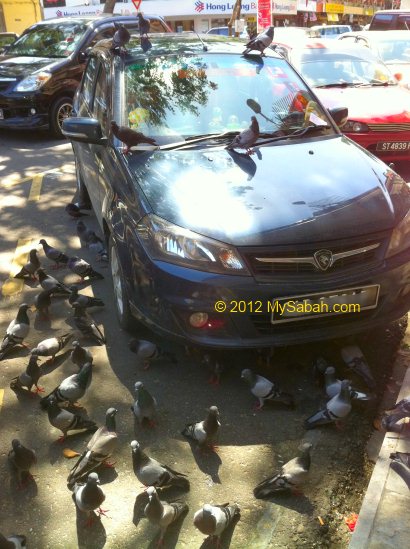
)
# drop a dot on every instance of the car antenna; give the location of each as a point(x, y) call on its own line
point(204, 46)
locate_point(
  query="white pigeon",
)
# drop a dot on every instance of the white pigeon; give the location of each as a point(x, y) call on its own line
point(265, 390)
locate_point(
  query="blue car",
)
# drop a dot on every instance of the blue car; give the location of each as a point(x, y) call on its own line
point(236, 213)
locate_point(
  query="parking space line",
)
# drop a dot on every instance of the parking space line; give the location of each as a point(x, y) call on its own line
point(11, 182)
point(12, 285)
point(1, 398)
point(36, 187)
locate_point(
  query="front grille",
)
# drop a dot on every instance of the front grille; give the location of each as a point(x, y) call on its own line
point(405, 127)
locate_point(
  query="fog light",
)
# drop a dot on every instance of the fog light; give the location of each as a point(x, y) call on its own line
point(198, 320)
point(32, 111)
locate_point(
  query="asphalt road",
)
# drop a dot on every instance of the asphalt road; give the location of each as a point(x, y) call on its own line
point(251, 446)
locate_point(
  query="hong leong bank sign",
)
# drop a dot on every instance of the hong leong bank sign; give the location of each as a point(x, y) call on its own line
point(220, 7)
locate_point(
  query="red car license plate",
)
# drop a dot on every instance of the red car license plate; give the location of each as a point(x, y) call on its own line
point(394, 146)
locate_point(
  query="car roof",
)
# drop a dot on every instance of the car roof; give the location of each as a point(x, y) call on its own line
point(381, 34)
point(330, 47)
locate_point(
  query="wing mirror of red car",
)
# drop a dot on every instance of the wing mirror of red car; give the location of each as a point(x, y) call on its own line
point(398, 76)
point(339, 115)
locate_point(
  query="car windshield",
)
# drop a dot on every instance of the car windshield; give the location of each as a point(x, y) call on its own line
point(395, 51)
point(341, 69)
point(187, 96)
point(57, 40)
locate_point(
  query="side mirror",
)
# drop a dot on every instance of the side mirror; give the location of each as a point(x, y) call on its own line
point(339, 115)
point(83, 130)
point(83, 55)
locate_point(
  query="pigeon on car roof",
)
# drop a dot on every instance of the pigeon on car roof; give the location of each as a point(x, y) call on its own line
point(260, 42)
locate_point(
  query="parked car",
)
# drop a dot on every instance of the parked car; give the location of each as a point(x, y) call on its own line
point(331, 31)
point(392, 47)
point(7, 38)
point(40, 71)
point(224, 31)
point(390, 20)
point(293, 34)
point(351, 76)
point(207, 241)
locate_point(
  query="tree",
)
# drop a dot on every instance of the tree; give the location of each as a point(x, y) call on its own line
point(109, 6)
point(236, 14)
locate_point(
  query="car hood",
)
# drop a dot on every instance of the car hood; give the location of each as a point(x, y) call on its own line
point(20, 66)
point(370, 104)
point(327, 188)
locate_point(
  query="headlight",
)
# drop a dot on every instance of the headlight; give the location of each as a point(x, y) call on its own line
point(167, 242)
point(355, 127)
point(33, 82)
point(400, 238)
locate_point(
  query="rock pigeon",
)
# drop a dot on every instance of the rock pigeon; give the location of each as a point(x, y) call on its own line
point(333, 385)
point(355, 361)
point(42, 302)
point(101, 446)
point(120, 39)
point(145, 405)
point(402, 470)
point(148, 351)
point(145, 43)
point(247, 137)
point(391, 420)
point(265, 390)
point(130, 137)
point(204, 432)
point(320, 364)
point(84, 300)
point(212, 520)
point(152, 473)
point(83, 269)
point(74, 211)
point(404, 457)
point(400, 410)
point(22, 459)
point(88, 497)
point(72, 388)
point(87, 236)
point(15, 541)
point(261, 41)
point(30, 268)
point(50, 347)
point(53, 254)
point(80, 355)
point(48, 282)
point(161, 513)
point(86, 324)
point(144, 24)
point(65, 421)
point(336, 408)
point(290, 477)
point(215, 366)
point(29, 377)
point(16, 332)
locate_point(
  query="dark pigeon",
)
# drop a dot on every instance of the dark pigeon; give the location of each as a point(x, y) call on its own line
point(53, 254)
point(355, 361)
point(80, 355)
point(86, 325)
point(145, 405)
point(21, 459)
point(74, 211)
point(42, 302)
point(29, 377)
point(120, 39)
point(66, 421)
point(87, 236)
point(204, 432)
point(247, 137)
point(144, 24)
point(130, 137)
point(30, 268)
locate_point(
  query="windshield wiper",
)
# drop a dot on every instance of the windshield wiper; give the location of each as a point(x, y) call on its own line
point(197, 139)
point(308, 129)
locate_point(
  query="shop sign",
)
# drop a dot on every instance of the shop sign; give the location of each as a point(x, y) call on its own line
point(306, 5)
point(288, 7)
point(352, 10)
point(334, 8)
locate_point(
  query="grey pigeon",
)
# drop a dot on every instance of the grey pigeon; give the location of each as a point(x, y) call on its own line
point(16, 332)
point(22, 459)
point(145, 405)
point(83, 269)
point(89, 497)
point(152, 473)
point(15, 541)
point(204, 432)
point(130, 137)
point(144, 24)
point(120, 39)
point(87, 236)
point(101, 446)
point(161, 513)
point(247, 137)
point(336, 408)
point(48, 282)
point(42, 302)
point(72, 388)
point(404, 457)
point(147, 351)
point(261, 41)
point(212, 520)
point(29, 377)
point(74, 211)
point(333, 385)
point(84, 300)
point(30, 268)
point(66, 421)
point(80, 355)
point(265, 390)
point(53, 254)
point(86, 324)
point(402, 470)
point(355, 361)
point(290, 477)
point(392, 418)
point(51, 346)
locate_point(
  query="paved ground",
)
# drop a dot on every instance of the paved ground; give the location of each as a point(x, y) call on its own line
point(252, 445)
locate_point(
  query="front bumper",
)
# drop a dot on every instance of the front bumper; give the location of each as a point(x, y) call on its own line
point(370, 140)
point(17, 110)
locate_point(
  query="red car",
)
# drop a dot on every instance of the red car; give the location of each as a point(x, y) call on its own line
point(351, 76)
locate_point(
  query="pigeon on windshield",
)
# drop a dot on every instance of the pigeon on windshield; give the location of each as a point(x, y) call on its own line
point(21, 459)
point(291, 476)
point(130, 137)
point(333, 386)
point(16, 332)
point(84, 300)
point(29, 377)
point(74, 211)
point(144, 24)
point(161, 513)
point(80, 355)
point(83, 269)
point(355, 361)
point(246, 138)
point(402, 470)
point(261, 41)
point(86, 324)
point(54, 255)
point(48, 282)
point(145, 405)
point(30, 268)
point(336, 409)
point(42, 302)
point(204, 432)
point(212, 520)
point(89, 497)
point(71, 389)
point(66, 421)
point(148, 351)
point(14, 541)
point(265, 390)
point(51, 346)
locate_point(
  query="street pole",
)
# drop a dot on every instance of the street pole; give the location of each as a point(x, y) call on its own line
point(236, 14)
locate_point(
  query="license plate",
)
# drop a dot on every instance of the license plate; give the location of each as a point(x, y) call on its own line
point(1, 114)
point(336, 302)
point(393, 146)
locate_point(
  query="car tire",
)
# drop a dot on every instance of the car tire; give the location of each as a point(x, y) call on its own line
point(121, 298)
point(60, 109)
point(84, 202)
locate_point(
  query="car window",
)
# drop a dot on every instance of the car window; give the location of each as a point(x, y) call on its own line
point(395, 51)
point(403, 22)
point(381, 21)
point(87, 88)
point(101, 98)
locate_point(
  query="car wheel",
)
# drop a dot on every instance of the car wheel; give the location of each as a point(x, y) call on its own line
point(60, 110)
point(120, 291)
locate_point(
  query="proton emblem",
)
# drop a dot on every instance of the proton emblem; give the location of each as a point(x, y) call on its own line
point(323, 259)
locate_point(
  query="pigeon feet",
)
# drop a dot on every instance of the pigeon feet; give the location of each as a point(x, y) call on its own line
point(109, 464)
point(102, 512)
point(61, 439)
point(257, 407)
point(38, 390)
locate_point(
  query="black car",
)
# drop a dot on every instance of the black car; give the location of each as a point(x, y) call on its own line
point(40, 71)
point(7, 38)
point(279, 242)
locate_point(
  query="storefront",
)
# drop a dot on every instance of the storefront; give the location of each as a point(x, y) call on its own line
point(284, 13)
